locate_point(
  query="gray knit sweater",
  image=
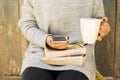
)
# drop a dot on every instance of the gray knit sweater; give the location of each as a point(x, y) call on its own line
point(58, 17)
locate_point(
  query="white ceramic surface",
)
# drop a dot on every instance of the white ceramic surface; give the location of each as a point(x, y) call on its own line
point(89, 29)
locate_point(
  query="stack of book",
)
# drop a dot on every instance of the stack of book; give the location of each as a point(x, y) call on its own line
point(75, 54)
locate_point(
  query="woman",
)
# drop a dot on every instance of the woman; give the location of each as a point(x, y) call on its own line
point(43, 18)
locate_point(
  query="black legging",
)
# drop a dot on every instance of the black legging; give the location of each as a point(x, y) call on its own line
point(33, 73)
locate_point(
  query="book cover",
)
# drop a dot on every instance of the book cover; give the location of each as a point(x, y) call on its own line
point(73, 49)
point(72, 60)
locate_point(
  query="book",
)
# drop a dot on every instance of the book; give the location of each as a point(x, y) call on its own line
point(72, 60)
point(73, 49)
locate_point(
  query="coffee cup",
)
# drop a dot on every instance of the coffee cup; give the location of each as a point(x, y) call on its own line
point(89, 29)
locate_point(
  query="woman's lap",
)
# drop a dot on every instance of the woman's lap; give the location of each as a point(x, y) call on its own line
point(71, 75)
point(33, 73)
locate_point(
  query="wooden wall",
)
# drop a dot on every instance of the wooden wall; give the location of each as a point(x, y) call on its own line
point(10, 46)
point(117, 42)
point(105, 49)
point(13, 44)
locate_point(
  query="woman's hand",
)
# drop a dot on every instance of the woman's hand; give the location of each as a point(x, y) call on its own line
point(60, 45)
point(104, 29)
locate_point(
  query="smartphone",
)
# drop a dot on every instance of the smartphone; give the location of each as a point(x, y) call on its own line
point(58, 39)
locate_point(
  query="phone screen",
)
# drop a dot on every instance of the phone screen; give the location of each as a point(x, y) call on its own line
point(56, 38)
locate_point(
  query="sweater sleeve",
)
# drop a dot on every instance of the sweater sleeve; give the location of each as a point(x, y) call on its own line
point(29, 27)
point(98, 10)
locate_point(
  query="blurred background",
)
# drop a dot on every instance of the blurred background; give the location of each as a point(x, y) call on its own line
point(13, 44)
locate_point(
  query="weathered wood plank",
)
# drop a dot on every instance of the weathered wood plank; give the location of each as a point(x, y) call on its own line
point(19, 78)
point(105, 49)
point(117, 49)
point(10, 78)
point(110, 78)
point(10, 49)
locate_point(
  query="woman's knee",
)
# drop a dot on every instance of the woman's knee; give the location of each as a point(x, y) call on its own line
point(33, 73)
point(72, 75)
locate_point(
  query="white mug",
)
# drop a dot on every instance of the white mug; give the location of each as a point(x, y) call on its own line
point(89, 29)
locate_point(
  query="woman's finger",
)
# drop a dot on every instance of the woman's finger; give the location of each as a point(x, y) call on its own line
point(59, 45)
point(103, 29)
point(62, 47)
point(108, 27)
point(105, 19)
point(99, 38)
point(102, 34)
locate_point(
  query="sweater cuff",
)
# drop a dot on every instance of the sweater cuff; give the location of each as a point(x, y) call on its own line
point(43, 41)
